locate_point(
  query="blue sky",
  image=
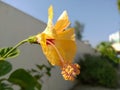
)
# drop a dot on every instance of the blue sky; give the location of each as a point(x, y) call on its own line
point(100, 17)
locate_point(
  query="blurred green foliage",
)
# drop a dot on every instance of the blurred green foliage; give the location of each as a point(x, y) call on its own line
point(118, 4)
point(5, 67)
point(97, 71)
point(25, 79)
point(107, 51)
point(79, 29)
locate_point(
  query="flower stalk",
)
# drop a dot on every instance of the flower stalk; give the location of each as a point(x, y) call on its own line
point(16, 46)
point(31, 39)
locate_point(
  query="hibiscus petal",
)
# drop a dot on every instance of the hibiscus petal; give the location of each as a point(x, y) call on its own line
point(62, 51)
point(67, 34)
point(50, 12)
point(67, 49)
point(62, 23)
point(50, 17)
point(51, 55)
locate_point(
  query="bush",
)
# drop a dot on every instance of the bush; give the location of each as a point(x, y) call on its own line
point(98, 71)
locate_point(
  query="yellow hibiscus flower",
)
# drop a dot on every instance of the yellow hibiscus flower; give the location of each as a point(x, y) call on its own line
point(58, 44)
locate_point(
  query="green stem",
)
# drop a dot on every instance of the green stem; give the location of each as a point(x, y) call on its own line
point(16, 46)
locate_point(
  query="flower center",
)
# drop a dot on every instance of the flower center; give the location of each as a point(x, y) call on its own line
point(49, 41)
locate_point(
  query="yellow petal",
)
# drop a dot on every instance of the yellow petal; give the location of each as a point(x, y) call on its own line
point(49, 28)
point(52, 55)
point(67, 49)
point(48, 50)
point(62, 23)
point(50, 12)
point(50, 17)
point(64, 49)
point(67, 34)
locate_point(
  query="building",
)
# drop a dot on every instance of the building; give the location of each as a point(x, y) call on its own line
point(15, 26)
point(114, 37)
point(115, 40)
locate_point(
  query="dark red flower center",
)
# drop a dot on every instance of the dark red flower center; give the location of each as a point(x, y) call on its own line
point(49, 41)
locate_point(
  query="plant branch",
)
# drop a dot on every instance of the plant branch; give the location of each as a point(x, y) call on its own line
point(16, 46)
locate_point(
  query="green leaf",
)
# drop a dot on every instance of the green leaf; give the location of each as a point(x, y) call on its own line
point(38, 76)
point(33, 70)
point(25, 80)
point(48, 69)
point(4, 86)
point(8, 52)
point(40, 67)
point(5, 67)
